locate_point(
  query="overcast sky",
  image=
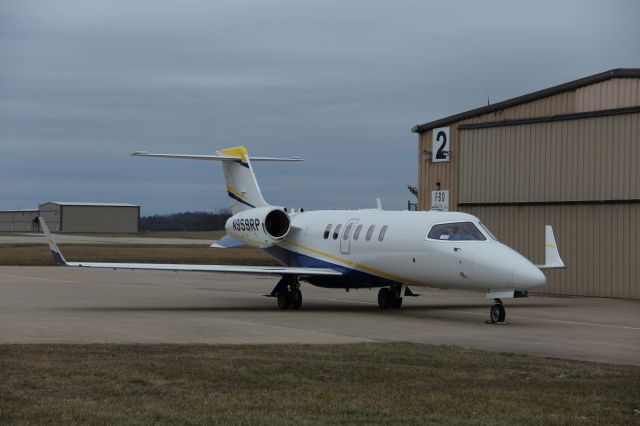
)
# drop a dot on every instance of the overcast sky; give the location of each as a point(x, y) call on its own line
point(340, 83)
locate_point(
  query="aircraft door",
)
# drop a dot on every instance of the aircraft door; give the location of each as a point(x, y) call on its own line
point(345, 238)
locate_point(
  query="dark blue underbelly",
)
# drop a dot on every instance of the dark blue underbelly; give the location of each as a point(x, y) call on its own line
point(351, 278)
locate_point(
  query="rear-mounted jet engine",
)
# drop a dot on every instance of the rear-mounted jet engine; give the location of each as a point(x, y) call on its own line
point(261, 227)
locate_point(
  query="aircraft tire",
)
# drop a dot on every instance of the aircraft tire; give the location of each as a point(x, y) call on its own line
point(284, 300)
point(296, 299)
point(396, 302)
point(497, 313)
point(384, 298)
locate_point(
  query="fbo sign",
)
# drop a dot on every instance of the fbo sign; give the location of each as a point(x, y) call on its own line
point(440, 200)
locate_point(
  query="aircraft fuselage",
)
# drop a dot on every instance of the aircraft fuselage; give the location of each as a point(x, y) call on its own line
point(404, 254)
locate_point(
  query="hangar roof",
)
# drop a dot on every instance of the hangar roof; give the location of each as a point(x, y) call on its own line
point(67, 203)
point(19, 211)
point(596, 78)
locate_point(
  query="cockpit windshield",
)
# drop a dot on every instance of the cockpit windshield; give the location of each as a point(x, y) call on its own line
point(456, 231)
point(486, 231)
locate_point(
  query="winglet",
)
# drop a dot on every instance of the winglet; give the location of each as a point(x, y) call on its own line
point(552, 258)
point(58, 258)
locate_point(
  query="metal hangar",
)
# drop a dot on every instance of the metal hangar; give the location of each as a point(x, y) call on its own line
point(90, 217)
point(568, 156)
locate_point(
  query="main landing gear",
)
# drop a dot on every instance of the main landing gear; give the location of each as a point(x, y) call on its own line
point(288, 293)
point(391, 297)
point(497, 312)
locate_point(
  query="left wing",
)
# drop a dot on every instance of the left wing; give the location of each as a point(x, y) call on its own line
point(230, 269)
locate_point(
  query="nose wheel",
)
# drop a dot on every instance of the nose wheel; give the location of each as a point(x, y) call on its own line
point(497, 312)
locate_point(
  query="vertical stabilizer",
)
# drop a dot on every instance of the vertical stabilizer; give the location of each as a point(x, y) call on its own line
point(242, 187)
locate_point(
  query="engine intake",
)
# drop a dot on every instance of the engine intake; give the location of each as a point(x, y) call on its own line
point(260, 227)
point(277, 223)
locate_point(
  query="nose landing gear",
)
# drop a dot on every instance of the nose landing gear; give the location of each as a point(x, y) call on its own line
point(497, 313)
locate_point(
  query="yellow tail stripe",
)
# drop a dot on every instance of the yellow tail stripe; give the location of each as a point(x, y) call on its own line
point(235, 192)
point(238, 151)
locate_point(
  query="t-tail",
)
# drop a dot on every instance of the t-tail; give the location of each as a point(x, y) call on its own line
point(242, 187)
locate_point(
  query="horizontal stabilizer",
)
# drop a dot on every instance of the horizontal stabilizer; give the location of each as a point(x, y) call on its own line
point(211, 157)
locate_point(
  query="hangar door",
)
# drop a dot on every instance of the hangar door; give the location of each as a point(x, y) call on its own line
point(52, 215)
point(580, 176)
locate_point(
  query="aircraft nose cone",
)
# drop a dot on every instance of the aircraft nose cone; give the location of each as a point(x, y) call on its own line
point(528, 276)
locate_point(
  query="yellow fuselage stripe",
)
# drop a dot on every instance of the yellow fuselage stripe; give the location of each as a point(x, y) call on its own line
point(355, 264)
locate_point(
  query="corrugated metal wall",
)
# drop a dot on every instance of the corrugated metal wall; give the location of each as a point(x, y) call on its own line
point(599, 243)
point(446, 173)
point(99, 219)
point(18, 221)
point(608, 94)
point(563, 103)
point(587, 159)
point(50, 212)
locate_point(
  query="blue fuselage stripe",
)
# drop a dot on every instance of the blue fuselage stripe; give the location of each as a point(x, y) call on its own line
point(352, 278)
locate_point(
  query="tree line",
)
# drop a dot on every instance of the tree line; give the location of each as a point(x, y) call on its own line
point(186, 221)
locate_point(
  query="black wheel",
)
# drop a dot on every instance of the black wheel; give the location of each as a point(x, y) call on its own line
point(296, 299)
point(497, 313)
point(384, 298)
point(396, 302)
point(284, 299)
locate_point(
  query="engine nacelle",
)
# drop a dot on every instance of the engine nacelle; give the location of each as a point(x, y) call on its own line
point(260, 227)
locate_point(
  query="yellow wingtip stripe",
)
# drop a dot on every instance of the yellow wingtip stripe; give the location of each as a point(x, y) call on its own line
point(550, 245)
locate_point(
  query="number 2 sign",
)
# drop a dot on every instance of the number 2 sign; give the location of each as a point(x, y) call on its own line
point(440, 147)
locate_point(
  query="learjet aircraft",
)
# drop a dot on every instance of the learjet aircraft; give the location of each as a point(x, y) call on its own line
point(351, 249)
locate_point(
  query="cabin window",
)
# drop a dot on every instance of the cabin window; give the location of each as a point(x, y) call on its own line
point(347, 231)
point(357, 233)
point(383, 231)
point(336, 232)
point(456, 231)
point(370, 232)
point(327, 231)
point(486, 231)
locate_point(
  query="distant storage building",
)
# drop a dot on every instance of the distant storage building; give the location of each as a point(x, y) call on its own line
point(568, 156)
point(90, 217)
point(19, 220)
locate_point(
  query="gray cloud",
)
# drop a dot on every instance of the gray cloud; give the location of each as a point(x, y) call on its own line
point(83, 84)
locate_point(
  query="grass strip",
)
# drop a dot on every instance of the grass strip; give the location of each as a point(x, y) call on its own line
point(307, 384)
point(39, 254)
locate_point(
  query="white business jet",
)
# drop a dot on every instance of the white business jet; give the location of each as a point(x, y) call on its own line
point(352, 249)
